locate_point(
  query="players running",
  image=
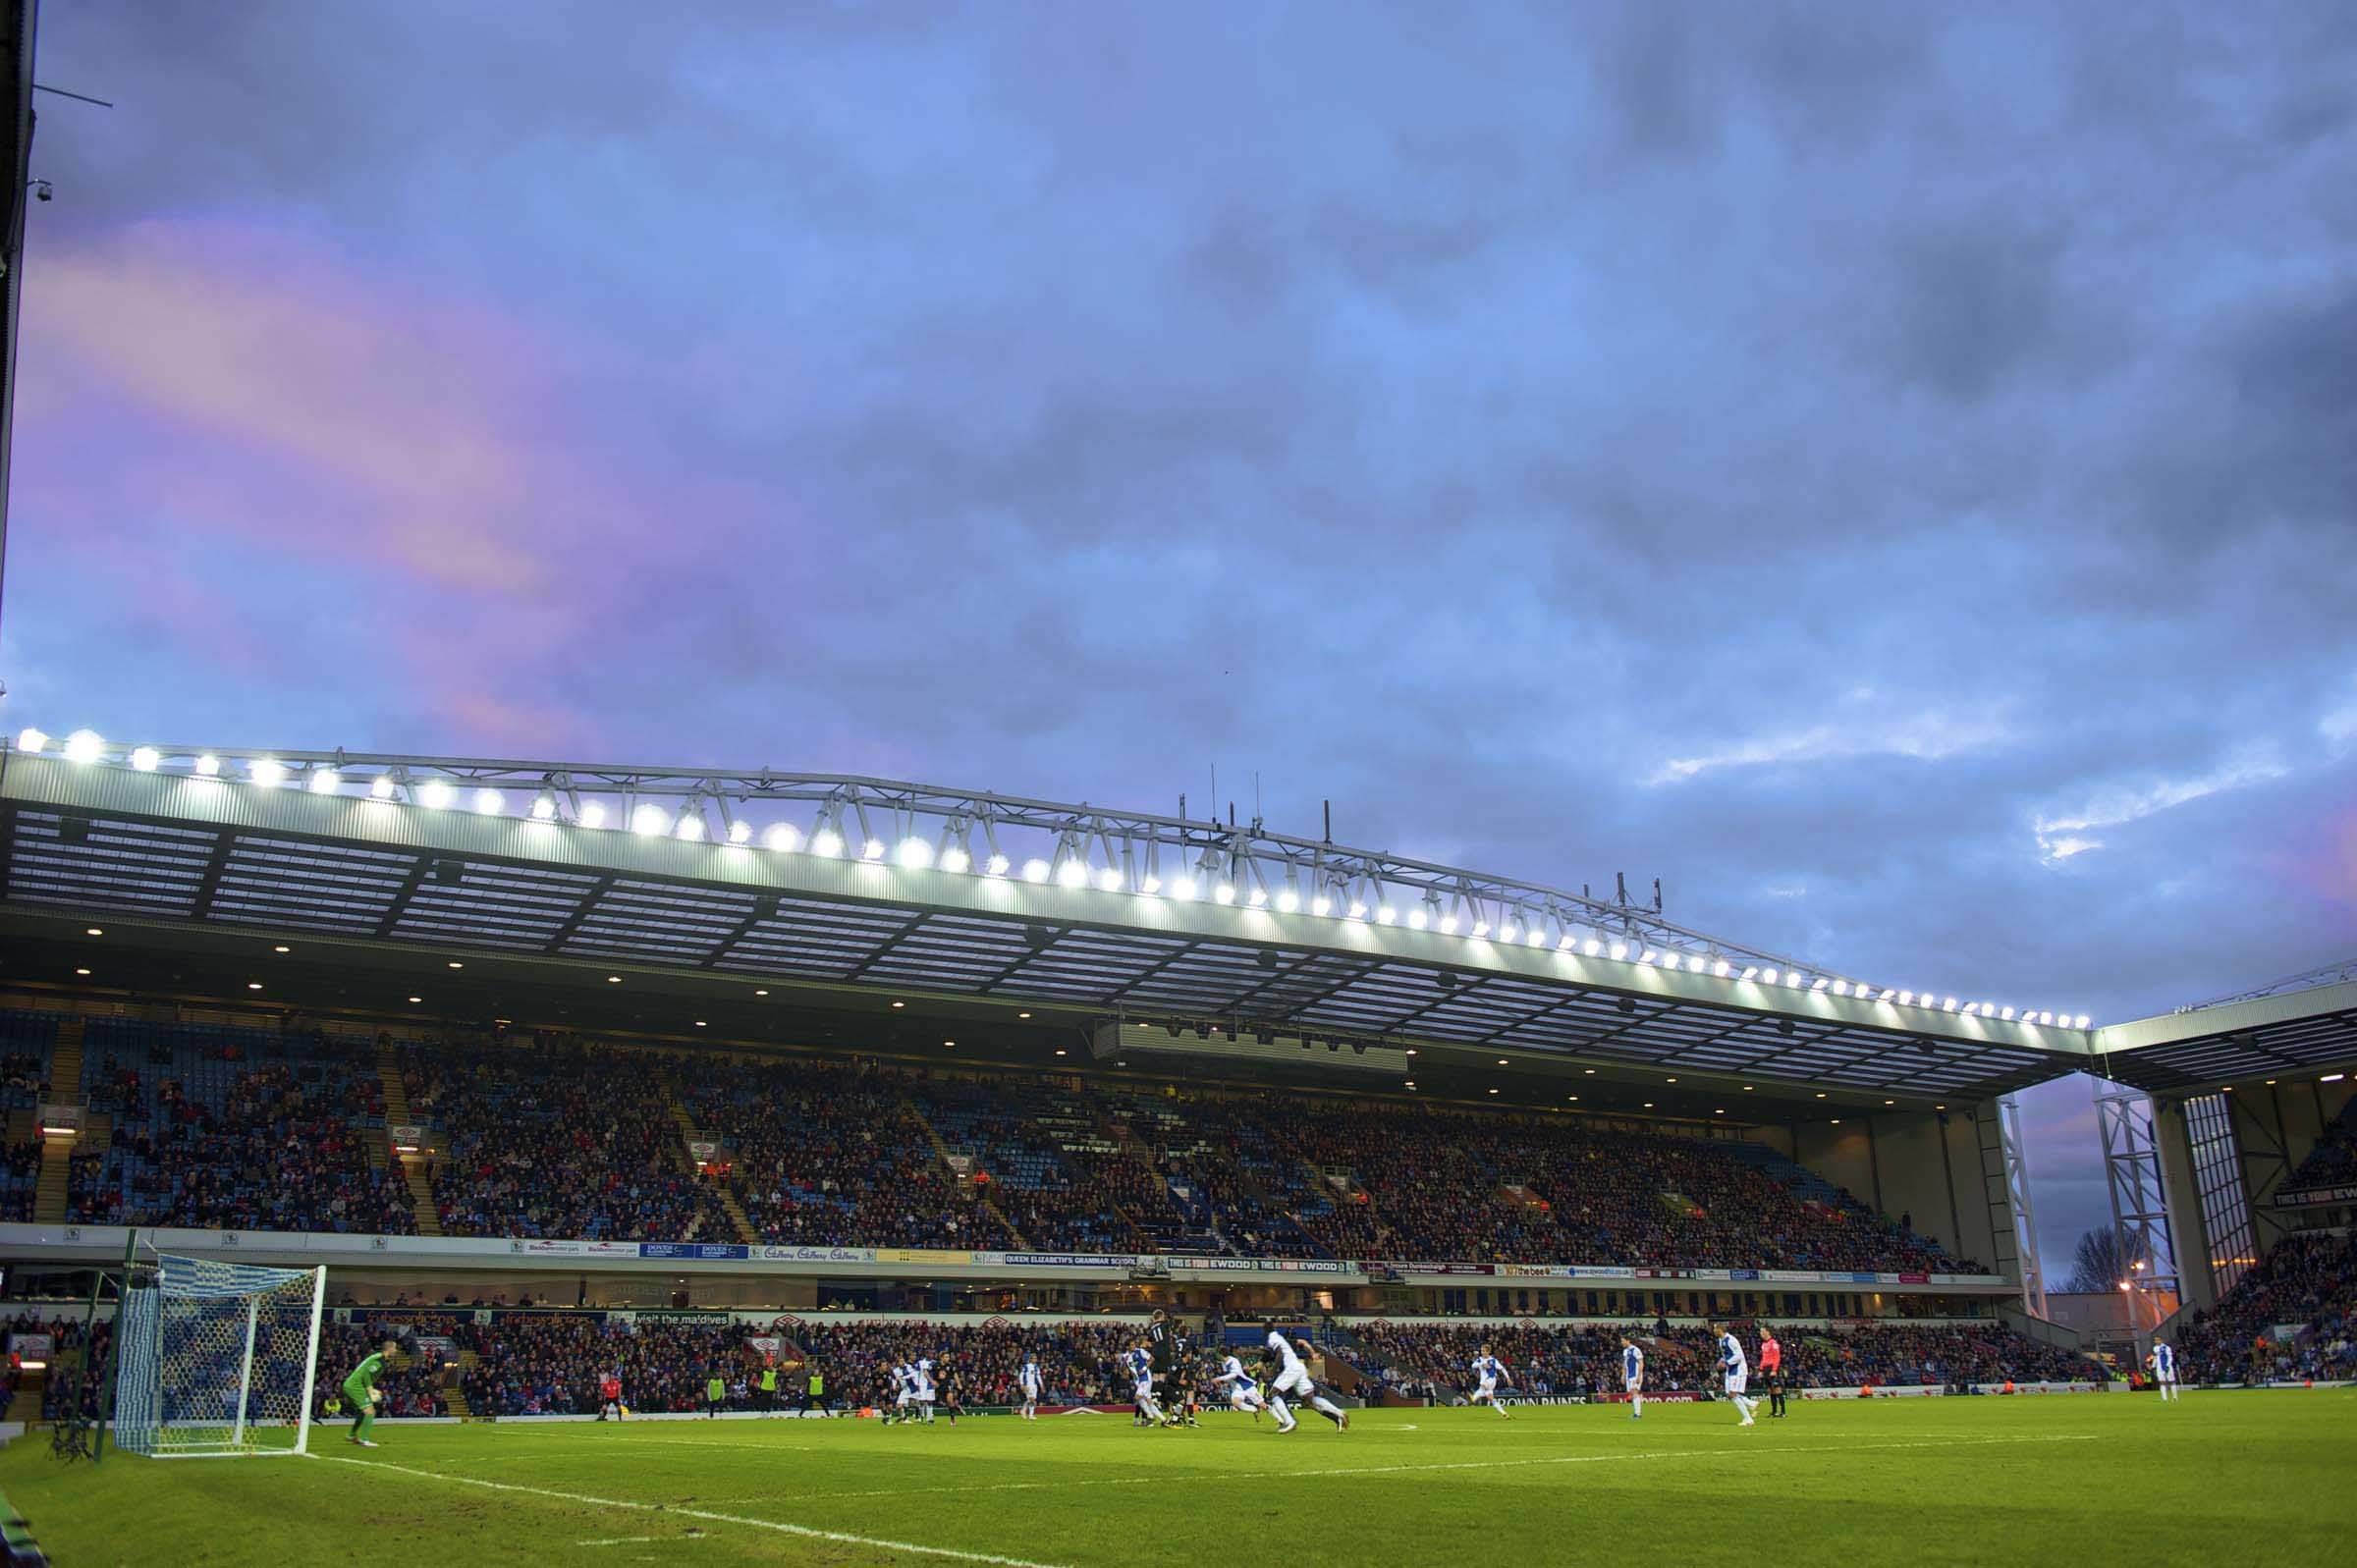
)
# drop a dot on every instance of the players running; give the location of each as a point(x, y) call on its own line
point(1292, 1377)
point(1488, 1371)
point(1243, 1390)
point(1139, 1361)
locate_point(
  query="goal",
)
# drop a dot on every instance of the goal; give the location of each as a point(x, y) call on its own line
point(217, 1359)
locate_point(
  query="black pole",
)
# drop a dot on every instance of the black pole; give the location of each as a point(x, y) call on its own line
point(114, 1347)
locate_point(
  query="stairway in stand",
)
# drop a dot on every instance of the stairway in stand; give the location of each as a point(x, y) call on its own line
point(397, 1114)
point(690, 1135)
point(941, 1151)
point(49, 1203)
point(453, 1395)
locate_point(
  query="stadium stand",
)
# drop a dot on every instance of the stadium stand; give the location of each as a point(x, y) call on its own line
point(560, 1138)
point(27, 1041)
point(234, 1129)
point(2289, 1317)
point(2333, 1163)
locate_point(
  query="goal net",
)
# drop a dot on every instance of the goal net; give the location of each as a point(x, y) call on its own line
point(217, 1359)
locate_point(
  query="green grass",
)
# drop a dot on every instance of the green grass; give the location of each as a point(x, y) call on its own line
point(2220, 1477)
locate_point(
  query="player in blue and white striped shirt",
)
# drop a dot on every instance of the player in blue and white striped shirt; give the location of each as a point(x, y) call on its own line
point(1738, 1369)
point(1487, 1370)
point(1140, 1363)
point(1632, 1377)
point(2163, 1361)
point(1243, 1390)
point(1030, 1382)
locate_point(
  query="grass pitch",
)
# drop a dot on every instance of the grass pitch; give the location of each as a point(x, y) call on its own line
point(2233, 1477)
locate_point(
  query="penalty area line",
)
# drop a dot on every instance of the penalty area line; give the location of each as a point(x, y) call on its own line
point(779, 1527)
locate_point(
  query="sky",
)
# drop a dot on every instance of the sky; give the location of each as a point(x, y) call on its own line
point(1889, 471)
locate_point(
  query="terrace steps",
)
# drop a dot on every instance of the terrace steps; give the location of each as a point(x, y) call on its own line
point(397, 1113)
point(689, 1135)
point(942, 1151)
point(50, 1201)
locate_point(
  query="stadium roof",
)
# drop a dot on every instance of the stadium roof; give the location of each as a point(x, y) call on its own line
point(962, 897)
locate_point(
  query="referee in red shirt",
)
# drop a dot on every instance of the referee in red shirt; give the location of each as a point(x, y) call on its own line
point(1771, 1370)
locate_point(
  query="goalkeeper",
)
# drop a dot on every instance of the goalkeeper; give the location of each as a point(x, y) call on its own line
point(360, 1387)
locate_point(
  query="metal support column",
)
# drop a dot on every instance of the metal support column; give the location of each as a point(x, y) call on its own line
point(2139, 1205)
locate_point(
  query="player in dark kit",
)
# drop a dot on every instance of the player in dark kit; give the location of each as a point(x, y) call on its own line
point(950, 1388)
point(1162, 1354)
point(1185, 1404)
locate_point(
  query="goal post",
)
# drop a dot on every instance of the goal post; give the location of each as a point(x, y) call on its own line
point(216, 1360)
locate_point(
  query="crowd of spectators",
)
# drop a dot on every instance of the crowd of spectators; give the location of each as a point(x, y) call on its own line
point(1435, 1359)
point(823, 1153)
point(19, 1179)
point(262, 1135)
point(549, 1364)
point(2333, 1163)
point(2294, 1315)
point(409, 1387)
point(558, 1138)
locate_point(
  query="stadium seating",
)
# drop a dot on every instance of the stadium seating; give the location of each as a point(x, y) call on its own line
point(561, 1138)
point(234, 1129)
point(558, 1138)
point(2333, 1163)
point(2292, 1316)
point(27, 1041)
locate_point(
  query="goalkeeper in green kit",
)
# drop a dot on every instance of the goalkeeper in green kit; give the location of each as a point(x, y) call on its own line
point(359, 1388)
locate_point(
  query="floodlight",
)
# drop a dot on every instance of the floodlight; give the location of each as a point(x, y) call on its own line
point(1287, 901)
point(145, 758)
point(781, 836)
point(1386, 915)
point(1648, 956)
point(1723, 969)
point(544, 807)
point(650, 820)
point(1109, 880)
point(874, 850)
point(592, 814)
point(1150, 885)
point(1358, 910)
point(434, 792)
point(1417, 919)
point(741, 832)
point(692, 826)
point(1509, 932)
point(915, 853)
point(268, 771)
point(209, 766)
point(1072, 873)
point(1448, 925)
point(827, 842)
point(1321, 906)
point(83, 745)
point(488, 802)
point(1618, 951)
point(996, 865)
point(1225, 892)
point(1035, 870)
point(31, 740)
point(955, 859)
point(1182, 888)
point(1766, 977)
point(2080, 1022)
point(325, 780)
point(1841, 988)
point(1257, 896)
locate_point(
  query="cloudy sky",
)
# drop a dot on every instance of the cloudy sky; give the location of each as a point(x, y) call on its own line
point(1889, 472)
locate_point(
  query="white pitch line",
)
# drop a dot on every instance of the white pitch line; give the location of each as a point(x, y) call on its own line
point(1466, 1463)
point(841, 1538)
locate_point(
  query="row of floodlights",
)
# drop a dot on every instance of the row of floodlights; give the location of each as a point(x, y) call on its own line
point(1074, 871)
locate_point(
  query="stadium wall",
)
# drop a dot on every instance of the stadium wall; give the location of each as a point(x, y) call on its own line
point(1920, 1166)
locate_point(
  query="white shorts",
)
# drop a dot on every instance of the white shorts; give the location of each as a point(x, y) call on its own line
point(1737, 1381)
point(900, 1398)
point(1487, 1389)
point(1144, 1391)
point(1031, 1396)
point(2167, 1377)
point(1634, 1385)
point(1244, 1396)
point(1295, 1378)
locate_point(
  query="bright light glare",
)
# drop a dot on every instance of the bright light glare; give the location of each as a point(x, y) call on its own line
point(741, 832)
point(826, 841)
point(1225, 892)
point(1618, 951)
point(268, 771)
point(1257, 896)
point(955, 859)
point(1387, 915)
point(209, 766)
point(1509, 932)
point(915, 853)
point(544, 808)
point(1321, 906)
point(1841, 988)
point(592, 814)
point(434, 792)
point(1182, 888)
point(1417, 919)
point(145, 758)
point(83, 745)
point(326, 782)
point(31, 740)
point(1288, 900)
point(996, 865)
point(874, 850)
point(1072, 873)
point(1448, 925)
point(1035, 870)
point(650, 820)
point(2080, 1022)
point(692, 826)
point(1109, 880)
point(1150, 885)
point(1766, 977)
point(781, 836)
point(488, 802)
point(1358, 911)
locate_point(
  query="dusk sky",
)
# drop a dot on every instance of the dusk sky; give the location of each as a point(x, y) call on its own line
point(1889, 471)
